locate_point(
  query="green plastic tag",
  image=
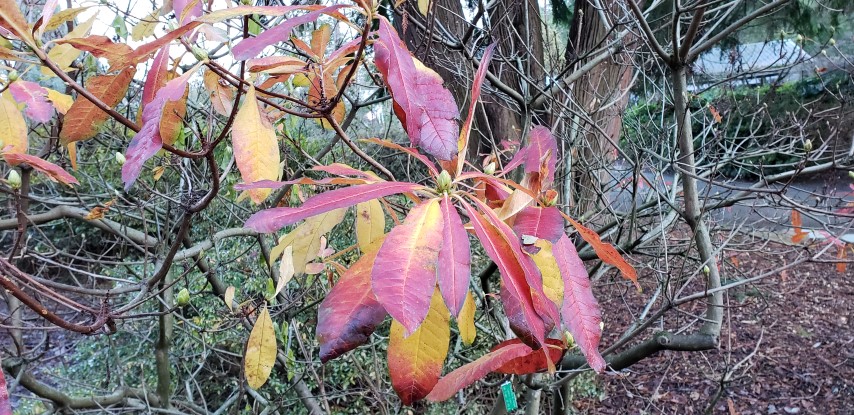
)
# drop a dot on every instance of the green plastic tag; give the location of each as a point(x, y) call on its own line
point(509, 397)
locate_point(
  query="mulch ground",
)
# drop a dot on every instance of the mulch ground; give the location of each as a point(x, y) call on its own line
point(787, 347)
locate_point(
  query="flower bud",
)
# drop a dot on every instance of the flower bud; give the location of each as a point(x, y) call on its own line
point(120, 158)
point(489, 169)
point(199, 53)
point(799, 38)
point(808, 145)
point(851, 174)
point(13, 75)
point(443, 182)
point(183, 298)
point(832, 42)
point(14, 179)
point(824, 52)
point(550, 198)
point(706, 270)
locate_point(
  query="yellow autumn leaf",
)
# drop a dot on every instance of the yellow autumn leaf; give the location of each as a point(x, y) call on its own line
point(256, 150)
point(63, 16)
point(63, 55)
point(62, 102)
point(286, 269)
point(221, 96)
point(13, 127)
point(465, 320)
point(423, 6)
point(305, 239)
point(415, 362)
point(157, 172)
point(72, 154)
point(260, 350)
point(370, 224)
point(145, 27)
point(229, 297)
point(552, 280)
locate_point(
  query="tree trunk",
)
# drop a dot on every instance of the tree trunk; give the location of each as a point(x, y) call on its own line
point(600, 97)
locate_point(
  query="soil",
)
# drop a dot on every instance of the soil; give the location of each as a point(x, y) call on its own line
point(787, 346)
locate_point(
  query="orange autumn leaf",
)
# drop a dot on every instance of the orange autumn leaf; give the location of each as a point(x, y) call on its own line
point(797, 223)
point(84, 118)
point(606, 252)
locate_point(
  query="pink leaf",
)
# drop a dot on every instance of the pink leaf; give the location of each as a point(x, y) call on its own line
point(580, 311)
point(404, 273)
point(453, 382)
point(454, 259)
point(5, 405)
point(541, 143)
point(475, 95)
point(426, 109)
point(271, 220)
point(186, 9)
point(544, 223)
point(157, 76)
point(251, 47)
point(39, 108)
point(52, 171)
point(350, 312)
point(147, 142)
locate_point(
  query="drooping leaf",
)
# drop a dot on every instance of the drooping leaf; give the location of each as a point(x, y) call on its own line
point(260, 350)
point(270, 220)
point(350, 312)
point(256, 149)
point(35, 96)
point(276, 65)
point(13, 126)
point(519, 307)
point(52, 171)
point(147, 142)
point(249, 48)
point(534, 361)
point(606, 252)
point(48, 9)
point(544, 307)
point(286, 269)
point(83, 119)
point(404, 272)
point(453, 382)
point(415, 362)
point(222, 96)
point(370, 224)
point(465, 320)
point(553, 285)
point(145, 51)
point(426, 109)
point(580, 311)
point(305, 240)
point(228, 297)
point(423, 7)
point(543, 223)
point(455, 258)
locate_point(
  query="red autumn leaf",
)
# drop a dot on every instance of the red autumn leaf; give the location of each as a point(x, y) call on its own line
point(157, 76)
point(544, 223)
point(453, 382)
point(462, 144)
point(606, 252)
point(544, 307)
point(519, 307)
point(147, 142)
point(35, 96)
point(408, 150)
point(534, 361)
point(272, 184)
point(5, 405)
point(52, 171)
point(404, 273)
point(251, 47)
point(99, 46)
point(271, 220)
point(350, 312)
point(426, 109)
point(340, 169)
point(580, 310)
point(541, 147)
point(454, 259)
